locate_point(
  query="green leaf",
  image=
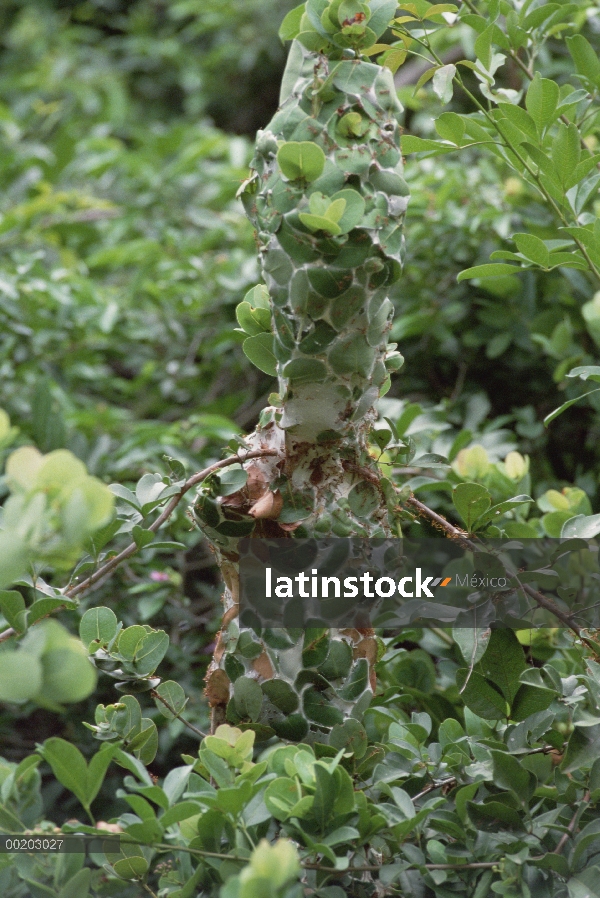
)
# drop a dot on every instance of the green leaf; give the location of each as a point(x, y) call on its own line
point(145, 744)
point(302, 159)
point(319, 223)
point(305, 371)
point(335, 209)
point(472, 642)
point(490, 813)
point(363, 499)
point(319, 709)
point(141, 537)
point(438, 8)
point(324, 796)
point(232, 480)
point(78, 886)
point(21, 676)
point(133, 764)
point(443, 83)
point(554, 522)
point(509, 774)
point(533, 249)
point(97, 768)
point(520, 118)
point(491, 270)
point(480, 696)
point(471, 501)
point(134, 867)
point(541, 101)
point(253, 321)
point(293, 728)
point(248, 698)
point(38, 890)
point(382, 13)
point(504, 662)
point(98, 625)
point(178, 812)
point(582, 526)
point(497, 511)
point(351, 736)
point(586, 372)
point(146, 832)
point(582, 750)
point(357, 682)
point(175, 697)
point(290, 27)
point(352, 125)
point(259, 349)
point(352, 355)
point(68, 766)
point(585, 58)
point(353, 211)
point(14, 558)
point(68, 674)
point(280, 797)
point(483, 46)
point(9, 822)
point(12, 606)
point(566, 151)
point(149, 489)
point(149, 652)
point(412, 144)
point(450, 126)
point(124, 494)
point(128, 641)
point(530, 700)
point(562, 408)
point(42, 607)
point(538, 16)
point(281, 695)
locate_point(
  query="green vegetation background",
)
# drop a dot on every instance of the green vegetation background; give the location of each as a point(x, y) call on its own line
point(125, 132)
point(124, 253)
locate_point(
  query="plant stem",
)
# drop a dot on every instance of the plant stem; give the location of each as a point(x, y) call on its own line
point(149, 890)
point(449, 781)
point(571, 827)
point(155, 695)
point(507, 145)
point(457, 534)
point(132, 548)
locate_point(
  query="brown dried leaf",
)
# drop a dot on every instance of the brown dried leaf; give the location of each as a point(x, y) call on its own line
point(257, 484)
point(217, 687)
point(267, 507)
point(263, 666)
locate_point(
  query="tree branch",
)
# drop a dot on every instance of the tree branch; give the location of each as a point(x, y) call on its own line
point(571, 827)
point(457, 534)
point(132, 548)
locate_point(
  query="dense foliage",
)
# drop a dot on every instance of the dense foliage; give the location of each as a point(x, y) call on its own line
point(124, 253)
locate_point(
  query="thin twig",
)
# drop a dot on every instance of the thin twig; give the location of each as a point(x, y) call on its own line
point(132, 548)
point(481, 865)
point(164, 516)
point(527, 72)
point(424, 42)
point(149, 890)
point(457, 534)
point(449, 781)
point(155, 695)
point(571, 827)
